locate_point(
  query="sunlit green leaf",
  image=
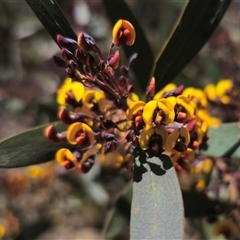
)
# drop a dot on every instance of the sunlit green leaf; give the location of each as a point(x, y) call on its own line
point(119, 217)
point(28, 148)
point(196, 205)
point(224, 141)
point(195, 26)
point(118, 9)
point(157, 207)
point(52, 18)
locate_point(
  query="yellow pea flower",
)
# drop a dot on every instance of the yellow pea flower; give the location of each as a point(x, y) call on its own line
point(123, 33)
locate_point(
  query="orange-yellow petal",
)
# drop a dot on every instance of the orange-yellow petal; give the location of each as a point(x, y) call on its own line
point(172, 100)
point(189, 154)
point(134, 107)
point(186, 103)
point(171, 140)
point(133, 97)
point(148, 112)
point(201, 183)
point(210, 91)
point(185, 134)
point(223, 86)
point(123, 33)
point(78, 90)
point(74, 128)
point(65, 154)
point(168, 110)
point(88, 96)
point(101, 100)
point(144, 137)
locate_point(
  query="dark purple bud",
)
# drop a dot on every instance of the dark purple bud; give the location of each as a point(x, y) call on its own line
point(70, 72)
point(85, 42)
point(67, 54)
point(67, 43)
point(71, 64)
point(59, 62)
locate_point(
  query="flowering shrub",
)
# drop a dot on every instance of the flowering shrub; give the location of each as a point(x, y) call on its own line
point(162, 138)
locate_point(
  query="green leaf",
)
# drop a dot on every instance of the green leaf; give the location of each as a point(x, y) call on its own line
point(195, 26)
point(118, 9)
point(28, 148)
point(52, 18)
point(196, 205)
point(157, 207)
point(119, 218)
point(224, 141)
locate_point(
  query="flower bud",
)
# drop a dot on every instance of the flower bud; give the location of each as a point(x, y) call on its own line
point(59, 62)
point(85, 42)
point(67, 54)
point(70, 72)
point(72, 64)
point(151, 88)
point(114, 60)
point(64, 116)
point(67, 43)
point(51, 133)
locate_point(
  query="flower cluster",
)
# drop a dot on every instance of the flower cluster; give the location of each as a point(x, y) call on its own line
point(105, 118)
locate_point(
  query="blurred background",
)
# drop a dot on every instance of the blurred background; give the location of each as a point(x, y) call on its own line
point(48, 202)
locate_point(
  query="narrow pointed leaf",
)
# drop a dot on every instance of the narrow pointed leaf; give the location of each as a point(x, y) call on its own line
point(52, 18)
point(224, 141)
point(157, 207)
point(195, 26)
point(118, 9)
point(28, 148)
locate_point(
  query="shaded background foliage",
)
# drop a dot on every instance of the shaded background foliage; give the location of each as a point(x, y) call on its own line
point(62, 203)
